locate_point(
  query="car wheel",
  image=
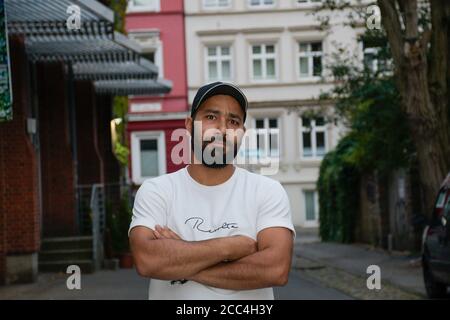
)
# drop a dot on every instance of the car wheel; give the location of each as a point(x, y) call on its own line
point(435, 290)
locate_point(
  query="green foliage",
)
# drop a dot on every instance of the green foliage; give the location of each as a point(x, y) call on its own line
point(121, 150)
point(378, 140)
point(338, 188)
point(120, 8)
point(118, 223)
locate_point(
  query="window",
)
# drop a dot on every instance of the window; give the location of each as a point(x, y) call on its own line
point(264, 62)
point(152, 48)
point(267, 138)
point(216, 4)
point(148, 155)
point(144, 5)
point(261, 3)
point(310, 59)
point(310, 206)
point(218, 63)
point(308, 1)
point(314, 137)
point(374, 59)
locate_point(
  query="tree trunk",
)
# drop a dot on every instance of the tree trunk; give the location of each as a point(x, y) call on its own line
point(422, 80)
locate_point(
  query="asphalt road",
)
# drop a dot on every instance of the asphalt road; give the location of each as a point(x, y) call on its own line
point(302, 287)
point(125, 284)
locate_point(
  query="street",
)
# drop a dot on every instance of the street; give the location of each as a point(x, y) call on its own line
point(125, 284)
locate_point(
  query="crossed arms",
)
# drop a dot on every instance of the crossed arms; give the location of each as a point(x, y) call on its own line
point(236, 263)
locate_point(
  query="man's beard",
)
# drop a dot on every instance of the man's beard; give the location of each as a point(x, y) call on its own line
point(223, 155)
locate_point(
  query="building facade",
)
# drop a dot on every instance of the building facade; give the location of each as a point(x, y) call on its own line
point(158, 26)
point(58, 171)
point(276, 51)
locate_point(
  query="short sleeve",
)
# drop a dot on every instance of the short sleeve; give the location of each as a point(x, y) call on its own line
point(274, 208)
point(150, 205)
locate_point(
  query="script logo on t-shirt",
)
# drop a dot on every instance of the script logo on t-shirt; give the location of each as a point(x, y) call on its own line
point(197, 224)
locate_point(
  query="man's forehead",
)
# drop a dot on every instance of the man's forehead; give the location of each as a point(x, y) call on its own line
point(218, 104)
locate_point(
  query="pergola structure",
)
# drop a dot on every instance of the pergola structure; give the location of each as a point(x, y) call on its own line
point(94, 50)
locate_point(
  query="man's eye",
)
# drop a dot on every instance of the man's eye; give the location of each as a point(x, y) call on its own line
point(210, 117)
point(234, 122)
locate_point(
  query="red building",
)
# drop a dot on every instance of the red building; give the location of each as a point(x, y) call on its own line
point(158, 26)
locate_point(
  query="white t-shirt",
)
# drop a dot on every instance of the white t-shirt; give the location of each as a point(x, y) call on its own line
point(245, 204)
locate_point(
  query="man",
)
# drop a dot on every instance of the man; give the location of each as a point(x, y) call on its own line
point(213, 230)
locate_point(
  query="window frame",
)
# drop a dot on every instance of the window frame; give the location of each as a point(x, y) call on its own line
point(263, 56)
point(261, 4)
point(313, 129)
point(307, 3)
point(157, 47)
point(218, 58)
point(315, 222)
point(267, 135)
point(217, 6)
point(156, 7)
point(310, 56)
point(136, 138)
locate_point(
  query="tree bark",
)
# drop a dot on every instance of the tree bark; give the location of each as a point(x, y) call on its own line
point(422, 80)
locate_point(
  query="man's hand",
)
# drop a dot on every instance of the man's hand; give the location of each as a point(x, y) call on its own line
point(241, 246)
point(165, 233)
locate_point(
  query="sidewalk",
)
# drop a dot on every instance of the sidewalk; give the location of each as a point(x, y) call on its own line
point(397, 269)
point(122, 284)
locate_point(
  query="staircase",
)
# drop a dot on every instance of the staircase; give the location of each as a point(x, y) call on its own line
point(58, 253)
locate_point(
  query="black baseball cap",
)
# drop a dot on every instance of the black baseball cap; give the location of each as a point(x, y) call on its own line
point(215, 88)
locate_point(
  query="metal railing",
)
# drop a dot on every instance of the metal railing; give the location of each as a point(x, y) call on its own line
point(91, 217)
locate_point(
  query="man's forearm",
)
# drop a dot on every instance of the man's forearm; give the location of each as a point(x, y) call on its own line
point(169, 259)
point(259, 270)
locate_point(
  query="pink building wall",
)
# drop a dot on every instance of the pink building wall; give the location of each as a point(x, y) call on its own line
point(170, 22)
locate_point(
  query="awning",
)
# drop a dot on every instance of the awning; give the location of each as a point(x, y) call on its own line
point(49, 17)
point(96, 51)
point(96, 71)
point(133, 87)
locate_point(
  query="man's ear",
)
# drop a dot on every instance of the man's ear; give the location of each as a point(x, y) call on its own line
point(188, 123)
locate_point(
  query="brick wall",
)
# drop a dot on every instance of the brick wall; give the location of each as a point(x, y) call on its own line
point(19, 202)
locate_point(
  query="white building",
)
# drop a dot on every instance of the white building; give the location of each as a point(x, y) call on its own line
point(275, 51)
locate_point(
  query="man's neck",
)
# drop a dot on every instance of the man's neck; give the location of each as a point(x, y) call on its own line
point(210, 176)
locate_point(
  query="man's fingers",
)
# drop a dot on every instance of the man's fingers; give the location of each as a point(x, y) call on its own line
point(170, 234)
point(157, 234)
point(165, 233)
point(174, 235)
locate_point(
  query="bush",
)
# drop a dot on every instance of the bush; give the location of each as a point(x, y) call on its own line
point(338, 187)
point(118, 223)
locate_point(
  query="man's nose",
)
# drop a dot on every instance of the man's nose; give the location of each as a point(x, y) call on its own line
point(223, 126)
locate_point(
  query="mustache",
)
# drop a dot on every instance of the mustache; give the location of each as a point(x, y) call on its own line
point(226, 141)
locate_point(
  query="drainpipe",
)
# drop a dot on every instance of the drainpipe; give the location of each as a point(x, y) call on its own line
point(73, 137)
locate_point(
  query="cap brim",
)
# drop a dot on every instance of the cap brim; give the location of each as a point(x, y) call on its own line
point(225, 89)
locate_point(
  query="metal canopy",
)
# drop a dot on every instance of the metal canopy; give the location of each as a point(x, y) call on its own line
point(133, 87)
point(114, 71)
point(85, 49)
point(96, 51)
point(35, 17)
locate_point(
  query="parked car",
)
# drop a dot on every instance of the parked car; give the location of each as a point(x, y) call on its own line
point(436, 246)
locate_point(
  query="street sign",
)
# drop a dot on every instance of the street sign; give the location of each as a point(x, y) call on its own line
point(6, 96)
